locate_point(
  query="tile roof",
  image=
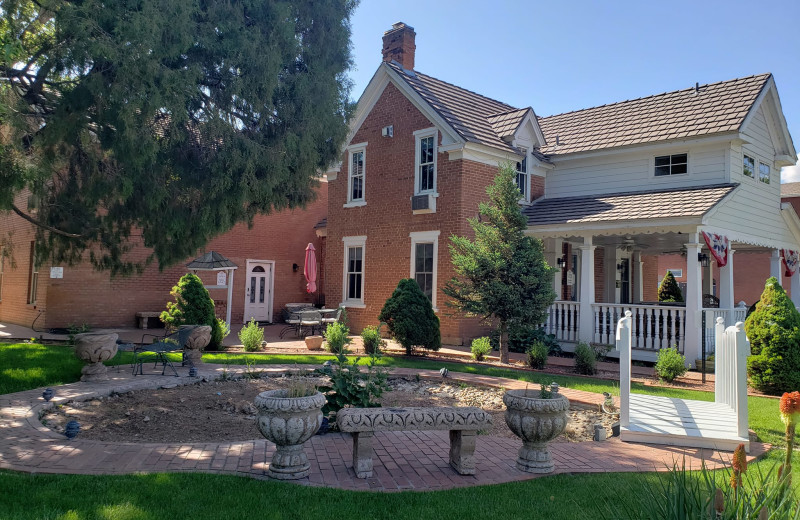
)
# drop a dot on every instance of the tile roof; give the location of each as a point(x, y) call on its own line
point(504, 125)
point(465, 111)
point(717, 107)
point(674, 203)
point(790, 189)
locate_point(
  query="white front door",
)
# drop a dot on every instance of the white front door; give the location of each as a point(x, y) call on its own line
point(258, 291)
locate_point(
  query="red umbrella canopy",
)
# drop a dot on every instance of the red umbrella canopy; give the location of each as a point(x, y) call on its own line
point(310, 268)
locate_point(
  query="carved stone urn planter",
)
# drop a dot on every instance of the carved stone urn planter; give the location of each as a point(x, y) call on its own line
point(536, 421)
point(94, 348)
point(289, 422)
point(198, 340)
point(314, 342)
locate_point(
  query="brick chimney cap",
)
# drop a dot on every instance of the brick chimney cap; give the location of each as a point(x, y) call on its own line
point(398, 26)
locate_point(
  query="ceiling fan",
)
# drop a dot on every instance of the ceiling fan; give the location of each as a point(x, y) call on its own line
point(628, 244)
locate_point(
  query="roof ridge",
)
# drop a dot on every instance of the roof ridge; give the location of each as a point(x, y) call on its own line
point(402, 71)
point(765, 74)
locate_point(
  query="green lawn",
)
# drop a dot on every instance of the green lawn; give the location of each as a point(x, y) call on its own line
point(201, 496)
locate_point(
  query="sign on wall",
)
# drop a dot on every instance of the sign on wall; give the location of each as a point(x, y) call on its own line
point(56, 272)
point(570, 278)
point(222, 278)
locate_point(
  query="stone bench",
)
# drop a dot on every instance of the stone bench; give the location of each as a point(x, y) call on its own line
point(462, 422)
point(142, 318)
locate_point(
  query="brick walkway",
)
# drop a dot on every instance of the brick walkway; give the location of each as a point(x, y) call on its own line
point(403, 460)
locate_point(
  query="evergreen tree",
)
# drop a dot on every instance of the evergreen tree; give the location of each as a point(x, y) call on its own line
point(501, 275)
point(165, 123)
point(409, 316)
point(774, 333)
point(669, 290)
point(192, 306)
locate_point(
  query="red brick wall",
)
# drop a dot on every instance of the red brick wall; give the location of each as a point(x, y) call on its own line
point(88, 296)
point(387, 220)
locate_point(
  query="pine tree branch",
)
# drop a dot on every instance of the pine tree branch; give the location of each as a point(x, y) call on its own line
point(51, 229)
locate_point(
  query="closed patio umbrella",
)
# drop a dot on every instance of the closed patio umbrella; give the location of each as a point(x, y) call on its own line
point(310, 269)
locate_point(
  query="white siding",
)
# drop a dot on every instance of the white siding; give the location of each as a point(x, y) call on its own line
point(634, 171)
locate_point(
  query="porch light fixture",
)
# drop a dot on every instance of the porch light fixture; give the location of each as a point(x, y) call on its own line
point(295, 267)
point(561, 262)
point(703, 259)
point(620, 267)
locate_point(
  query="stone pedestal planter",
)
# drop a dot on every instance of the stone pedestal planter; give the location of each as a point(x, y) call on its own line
point(94, 348)
point(536, 421)
point(198, 340)
point(314, 342)
point(289, 422)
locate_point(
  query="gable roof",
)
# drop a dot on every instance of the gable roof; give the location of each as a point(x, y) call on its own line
point(790, 189)
point(465, 111)
point(673, 203)
point(709, 109)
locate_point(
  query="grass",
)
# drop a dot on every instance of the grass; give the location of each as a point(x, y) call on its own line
point(133, 497)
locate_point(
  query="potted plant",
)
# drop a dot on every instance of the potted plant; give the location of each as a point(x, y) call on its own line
point(537, 417)
point(314, 342)
point(289, 417)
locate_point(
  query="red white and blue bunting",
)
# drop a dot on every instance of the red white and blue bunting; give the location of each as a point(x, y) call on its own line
point(790, 261)
point(718, 245)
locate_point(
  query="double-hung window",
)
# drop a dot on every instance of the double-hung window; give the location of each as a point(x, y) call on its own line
point(356, 174)
point(763, 172)
point(424, 254)
point(353, 282)
point(522, 174)
point(749, 166)
point(672, 164)
point(425, 161)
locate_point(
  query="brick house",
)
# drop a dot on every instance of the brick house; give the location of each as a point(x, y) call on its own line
point(269, 257)
point(610, 190)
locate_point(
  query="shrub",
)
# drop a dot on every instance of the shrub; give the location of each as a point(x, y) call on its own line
point(409, 315)
point(668, 289)
point(585, 359)
point(251, 336)
point(537, 355)
point(521, 337)
point(193, 306)
point(351, 387)
point(371, 337)
point(336, 337)
point(774, 333)
point(480, 347)
point(670, 365)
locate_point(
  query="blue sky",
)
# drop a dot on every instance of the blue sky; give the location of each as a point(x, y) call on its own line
point(566, 55)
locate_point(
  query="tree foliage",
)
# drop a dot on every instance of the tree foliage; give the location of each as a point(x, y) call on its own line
point(165, 123)
point(409, 316)
point(669, 290)
point(502, 274)
point(774, 333)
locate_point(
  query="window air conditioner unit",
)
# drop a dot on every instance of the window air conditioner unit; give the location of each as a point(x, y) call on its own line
point(425, 203)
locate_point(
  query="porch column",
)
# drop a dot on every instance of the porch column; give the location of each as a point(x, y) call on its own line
point(794, 287)
point(726, 286)
point(586, 321)
point(775, 267)
point(694, 299)
point(638, 289)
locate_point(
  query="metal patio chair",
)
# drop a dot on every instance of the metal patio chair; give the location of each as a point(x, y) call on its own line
point(160, 346)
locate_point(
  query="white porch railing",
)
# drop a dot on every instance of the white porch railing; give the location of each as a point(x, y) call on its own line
point(562, 320)
point(730, 377)
point(728, 315)
point(652, 327)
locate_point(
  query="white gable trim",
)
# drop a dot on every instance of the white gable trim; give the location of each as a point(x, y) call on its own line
point(776, 122)
point(530, 118)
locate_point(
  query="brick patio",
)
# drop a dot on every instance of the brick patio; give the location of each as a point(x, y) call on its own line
point(403, 460)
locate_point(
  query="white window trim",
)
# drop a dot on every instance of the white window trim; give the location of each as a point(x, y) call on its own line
point(358, 241)
point(769, 174)
point(673, 271)
point(658, 178)
point(526, 197)
point(755, 166)
point(426, 237)
point(418, 136)
point(351, 203)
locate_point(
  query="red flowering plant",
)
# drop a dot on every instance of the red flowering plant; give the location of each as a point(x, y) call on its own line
point(790, 414)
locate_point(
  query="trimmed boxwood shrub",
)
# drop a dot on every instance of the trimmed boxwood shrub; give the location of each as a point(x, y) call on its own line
point(669, 290)
point(774, 333)
point(193, 306)
point(585, 359)
point(521, 337)
point(410, 318)
point(670, 364)
point(537, 355)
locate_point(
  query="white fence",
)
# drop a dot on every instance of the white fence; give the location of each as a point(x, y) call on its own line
point(562, 320)
point(728, 315)
point(652, 327)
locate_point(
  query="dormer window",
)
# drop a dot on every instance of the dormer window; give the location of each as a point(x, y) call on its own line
point(672, 164)
point(522, 174)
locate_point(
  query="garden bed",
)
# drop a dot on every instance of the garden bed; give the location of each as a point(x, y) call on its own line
point(221, 411)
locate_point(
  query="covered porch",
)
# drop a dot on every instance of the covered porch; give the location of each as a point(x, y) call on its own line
point(607, 250)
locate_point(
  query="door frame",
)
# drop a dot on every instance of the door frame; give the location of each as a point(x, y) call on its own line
point(270, 298)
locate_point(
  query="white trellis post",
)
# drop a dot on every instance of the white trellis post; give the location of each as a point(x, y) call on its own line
point(730, 364)
point(624, 348)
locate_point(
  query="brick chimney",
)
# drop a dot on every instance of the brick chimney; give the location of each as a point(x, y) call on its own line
point(398, 45)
